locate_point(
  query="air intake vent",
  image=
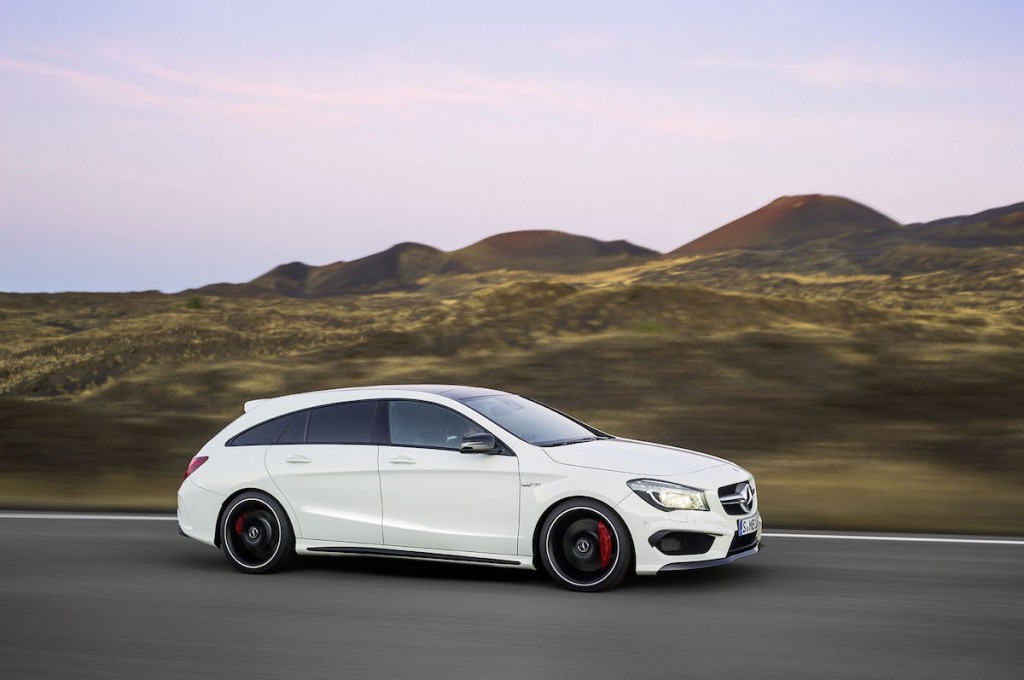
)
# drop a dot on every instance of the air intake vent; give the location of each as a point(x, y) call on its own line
point(682, 542)
point(742, 543)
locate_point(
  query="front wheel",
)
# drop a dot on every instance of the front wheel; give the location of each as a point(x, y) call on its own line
point(585, 546)
point(255, 534)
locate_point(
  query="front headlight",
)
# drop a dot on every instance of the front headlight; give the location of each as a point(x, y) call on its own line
point(668, 496)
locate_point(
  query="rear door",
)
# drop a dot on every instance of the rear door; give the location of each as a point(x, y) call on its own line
point(327, 469)
point(435, 497)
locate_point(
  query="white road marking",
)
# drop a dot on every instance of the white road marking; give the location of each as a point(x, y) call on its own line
point(842, 537)
point(902, 539)
point(75, 515)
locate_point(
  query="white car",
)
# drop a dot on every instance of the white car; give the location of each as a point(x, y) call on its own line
point(462, 474)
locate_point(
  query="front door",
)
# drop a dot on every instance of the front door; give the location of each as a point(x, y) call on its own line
point(435, 497)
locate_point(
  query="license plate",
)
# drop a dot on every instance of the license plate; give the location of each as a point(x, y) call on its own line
point(748, 526)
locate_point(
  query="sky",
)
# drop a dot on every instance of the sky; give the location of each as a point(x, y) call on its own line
point(166, 145)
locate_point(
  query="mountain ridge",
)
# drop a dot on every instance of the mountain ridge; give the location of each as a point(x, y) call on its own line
point(800, 227)
point(402, 265)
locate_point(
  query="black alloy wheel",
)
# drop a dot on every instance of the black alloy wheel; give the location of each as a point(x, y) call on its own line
point(585, 546)
point(255, 534)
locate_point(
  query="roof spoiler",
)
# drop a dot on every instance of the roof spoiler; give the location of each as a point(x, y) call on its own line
point(250, 405)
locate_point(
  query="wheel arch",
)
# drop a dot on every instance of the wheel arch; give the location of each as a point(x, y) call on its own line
point(535, 542)
point(229, 499)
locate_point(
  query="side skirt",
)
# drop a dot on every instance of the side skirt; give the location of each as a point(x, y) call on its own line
point(390, 552)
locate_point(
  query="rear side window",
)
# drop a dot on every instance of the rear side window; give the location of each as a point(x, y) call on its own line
point(264, 434)
point(342, 423)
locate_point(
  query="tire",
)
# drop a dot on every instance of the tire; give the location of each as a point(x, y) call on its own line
point(255, 533)
point(584, 546)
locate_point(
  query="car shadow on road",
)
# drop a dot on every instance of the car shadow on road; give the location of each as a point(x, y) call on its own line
point(720, 577)
point(729, 576)
point(423, 569)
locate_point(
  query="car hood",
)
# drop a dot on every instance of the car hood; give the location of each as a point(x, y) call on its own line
point(634, 457)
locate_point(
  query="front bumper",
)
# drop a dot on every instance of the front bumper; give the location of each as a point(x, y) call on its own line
point(685, 566)
point(645, 521)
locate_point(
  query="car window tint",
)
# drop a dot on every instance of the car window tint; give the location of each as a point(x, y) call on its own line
point(342, 423)
point(263, 434)
point(295, 433)
point(416, 423)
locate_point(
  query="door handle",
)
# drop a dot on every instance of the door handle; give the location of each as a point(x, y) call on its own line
point(298, 459)
point(402, 460)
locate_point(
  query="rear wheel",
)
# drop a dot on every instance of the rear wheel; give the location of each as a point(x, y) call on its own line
point(585, 546)
point(255, 533)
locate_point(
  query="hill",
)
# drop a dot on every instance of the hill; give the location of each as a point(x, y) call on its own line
point(990, 228)
point(402, 266)
point(983, 217)
point(397, 268)
point(790, 221)
point(553, 251)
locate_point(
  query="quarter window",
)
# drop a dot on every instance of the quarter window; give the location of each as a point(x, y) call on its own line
point(263, 434)
point(295, 432)
point(417, 423)
point(350, 423)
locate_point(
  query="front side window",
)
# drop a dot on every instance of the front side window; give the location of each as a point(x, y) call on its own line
point(350, 423)
point(417, 423)
point(530, 421)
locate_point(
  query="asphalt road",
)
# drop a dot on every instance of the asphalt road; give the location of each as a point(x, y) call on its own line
point(132, 599)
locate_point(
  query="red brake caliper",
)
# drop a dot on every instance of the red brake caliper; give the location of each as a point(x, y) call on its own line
point(240, 524)
point(604, 538)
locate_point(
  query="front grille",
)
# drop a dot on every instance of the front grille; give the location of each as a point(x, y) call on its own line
point(742, 543)
point(732, 505)
point(682, 542)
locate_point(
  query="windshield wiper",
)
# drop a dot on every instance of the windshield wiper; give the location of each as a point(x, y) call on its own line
point(574, 441)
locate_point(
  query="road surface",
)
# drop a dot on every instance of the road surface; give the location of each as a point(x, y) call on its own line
point(98, 598)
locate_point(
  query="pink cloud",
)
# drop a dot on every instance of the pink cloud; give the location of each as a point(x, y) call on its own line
point(829, 71)
point(327, 94)
point(408, 85)
point(345, 97)
point(124, 93)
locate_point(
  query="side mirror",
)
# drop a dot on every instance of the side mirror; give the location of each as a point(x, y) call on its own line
point(478, 443)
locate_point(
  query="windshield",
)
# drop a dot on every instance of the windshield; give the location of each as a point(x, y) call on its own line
point(530, 421)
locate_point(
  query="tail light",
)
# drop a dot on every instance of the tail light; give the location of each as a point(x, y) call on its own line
point(194, 465)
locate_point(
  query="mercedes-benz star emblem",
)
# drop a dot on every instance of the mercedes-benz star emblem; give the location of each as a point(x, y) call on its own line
point(583, 545)
point(254, 532)
point(746, 495)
